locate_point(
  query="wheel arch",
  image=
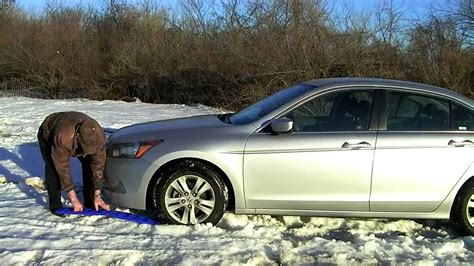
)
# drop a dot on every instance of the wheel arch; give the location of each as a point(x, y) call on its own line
point(161, 169)
point(469, 181)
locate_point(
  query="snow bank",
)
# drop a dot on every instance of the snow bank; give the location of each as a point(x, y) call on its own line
point(30, 234)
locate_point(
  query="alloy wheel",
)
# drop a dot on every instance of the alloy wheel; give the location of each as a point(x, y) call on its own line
point(189, 199)
point(470, 210)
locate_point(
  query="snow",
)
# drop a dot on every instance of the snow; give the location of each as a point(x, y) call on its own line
point(30, 234)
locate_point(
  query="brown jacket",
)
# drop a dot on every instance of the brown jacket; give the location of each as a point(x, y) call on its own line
point(59, 131)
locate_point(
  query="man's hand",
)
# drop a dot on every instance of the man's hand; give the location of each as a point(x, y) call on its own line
point(76, 204)
point(99, 202)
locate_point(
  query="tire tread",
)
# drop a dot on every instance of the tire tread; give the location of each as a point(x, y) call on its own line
point(458, 218)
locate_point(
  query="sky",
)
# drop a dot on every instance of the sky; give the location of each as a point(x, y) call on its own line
point(417, 7)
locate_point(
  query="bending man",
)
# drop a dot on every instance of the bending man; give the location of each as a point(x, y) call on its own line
point(72, 134)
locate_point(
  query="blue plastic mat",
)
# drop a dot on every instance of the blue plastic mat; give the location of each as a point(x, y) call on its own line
point(132, 217)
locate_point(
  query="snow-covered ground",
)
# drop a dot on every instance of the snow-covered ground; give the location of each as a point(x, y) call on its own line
point(30, 234)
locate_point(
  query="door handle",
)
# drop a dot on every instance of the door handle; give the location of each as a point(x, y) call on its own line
point(460, 143)
point(356, 145)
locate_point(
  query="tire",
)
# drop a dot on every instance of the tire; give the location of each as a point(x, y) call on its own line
point(463, 209)
point(190, 192)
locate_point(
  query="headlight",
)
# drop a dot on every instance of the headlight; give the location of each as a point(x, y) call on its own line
point(131, 149)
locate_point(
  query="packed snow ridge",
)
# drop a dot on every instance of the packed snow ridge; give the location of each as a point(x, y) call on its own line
point(30, 234)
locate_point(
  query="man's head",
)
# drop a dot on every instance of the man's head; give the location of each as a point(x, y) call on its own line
point(87, 137)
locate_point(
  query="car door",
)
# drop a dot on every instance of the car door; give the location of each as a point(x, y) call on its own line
point(324, 164)
point(424, 149)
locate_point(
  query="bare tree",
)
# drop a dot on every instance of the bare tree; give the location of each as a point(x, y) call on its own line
point(228, 53)
point(466, 12)
point(5, 4)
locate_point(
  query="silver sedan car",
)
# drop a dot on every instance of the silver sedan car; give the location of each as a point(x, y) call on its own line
point(350, 147)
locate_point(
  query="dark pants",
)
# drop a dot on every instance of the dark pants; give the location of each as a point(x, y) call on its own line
point(53, 184)
point(87, 184)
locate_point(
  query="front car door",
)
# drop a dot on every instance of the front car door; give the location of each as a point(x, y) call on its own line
point(423, 150)
point(324, 164)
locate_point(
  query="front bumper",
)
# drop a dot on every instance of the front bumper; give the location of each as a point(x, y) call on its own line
point(127, 181)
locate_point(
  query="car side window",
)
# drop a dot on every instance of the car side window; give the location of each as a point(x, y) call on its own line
point(462, 119)
point(401, 107)
point(416, 112)
point(337, 111)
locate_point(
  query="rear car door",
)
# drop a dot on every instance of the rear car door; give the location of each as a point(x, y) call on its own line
point(324, 164)
point(423, 149)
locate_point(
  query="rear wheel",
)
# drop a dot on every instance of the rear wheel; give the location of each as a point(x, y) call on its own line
point(463, 209)
point(190, 192)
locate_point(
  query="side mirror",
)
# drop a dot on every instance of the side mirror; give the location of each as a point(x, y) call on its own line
point(282, 125)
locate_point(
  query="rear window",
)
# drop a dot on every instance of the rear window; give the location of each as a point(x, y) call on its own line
point(416, 112)
point(462, 119)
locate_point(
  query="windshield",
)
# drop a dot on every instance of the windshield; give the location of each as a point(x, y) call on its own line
point(267, 105)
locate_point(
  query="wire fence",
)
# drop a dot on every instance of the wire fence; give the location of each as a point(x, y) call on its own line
point(14, 86)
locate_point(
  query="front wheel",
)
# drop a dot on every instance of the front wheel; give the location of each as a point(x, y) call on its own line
point(463, 209)
point(190, 192)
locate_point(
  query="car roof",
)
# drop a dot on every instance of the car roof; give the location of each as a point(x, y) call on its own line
point(336, 82)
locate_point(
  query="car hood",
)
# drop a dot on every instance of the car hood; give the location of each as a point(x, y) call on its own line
point(145, 130)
